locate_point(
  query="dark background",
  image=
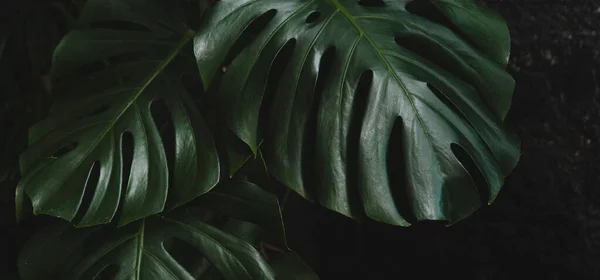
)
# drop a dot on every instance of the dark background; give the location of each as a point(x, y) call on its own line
point(545, 223)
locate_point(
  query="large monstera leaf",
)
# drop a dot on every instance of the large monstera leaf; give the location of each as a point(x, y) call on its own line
point(126, 57)
point(388, 109)
point(147, 249)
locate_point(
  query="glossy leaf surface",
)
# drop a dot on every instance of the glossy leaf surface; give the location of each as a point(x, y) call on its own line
point(387, 110)
point(144, 249)
point(128, 135)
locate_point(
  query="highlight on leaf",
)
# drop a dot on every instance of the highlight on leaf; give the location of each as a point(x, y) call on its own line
point(125, 139)
point(214, 236)
point(338, 90)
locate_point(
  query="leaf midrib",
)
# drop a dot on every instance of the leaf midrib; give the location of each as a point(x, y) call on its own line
point(140, 249)
point(218, 243)
point(178, 47)
point(186, 37)
point(339, 7)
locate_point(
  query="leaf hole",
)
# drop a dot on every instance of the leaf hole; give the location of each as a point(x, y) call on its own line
point(432, 52)
point(126, 151)
point(65, 149)
point(91, 184)
point(426, 9)
point(447, 102)
point(396, 170)
point(471, 167)
point(247, 36)
point(163, 120)
point(371, 3)
point(426, 49)
point(309, 142)
point(312, 17)
point(325, 66)
point(119, 25)
point(278, 67)
point(359, 105)
point(186, 255)
point(108, 273)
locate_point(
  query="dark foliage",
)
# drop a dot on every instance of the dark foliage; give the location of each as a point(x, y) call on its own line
point(545, 223)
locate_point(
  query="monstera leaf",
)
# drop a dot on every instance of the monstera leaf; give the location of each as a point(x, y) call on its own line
point(388, 109)
point(106, 145)
point(144, 249)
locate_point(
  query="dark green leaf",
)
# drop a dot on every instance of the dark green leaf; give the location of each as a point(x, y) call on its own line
point(76, 167)
point(140, 251)
point(259, 206)
point(485, 28)
point(379, 112)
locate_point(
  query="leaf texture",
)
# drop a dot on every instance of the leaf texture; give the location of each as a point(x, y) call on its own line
point(381, 111)
point(141, 249)
point(104, 147)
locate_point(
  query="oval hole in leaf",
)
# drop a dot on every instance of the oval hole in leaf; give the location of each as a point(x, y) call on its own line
point(448, 103)
point(126, 151)
point(309, 140)
point(162, 118)
point(313, 17)
point(359, 106)
point(91, 184)
point(396, 170)
point(425, 48)
point(424, 8)
point(275, 73)
point(474, 172)
point(248, 35)
point(119, 25)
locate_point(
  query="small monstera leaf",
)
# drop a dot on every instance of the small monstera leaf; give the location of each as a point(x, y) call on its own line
point(388, 109)
point(101, 148)
point(145, 249)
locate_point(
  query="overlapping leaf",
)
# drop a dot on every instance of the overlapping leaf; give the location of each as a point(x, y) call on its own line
point(143, 250)
point(385, 108)
point(125, 57)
